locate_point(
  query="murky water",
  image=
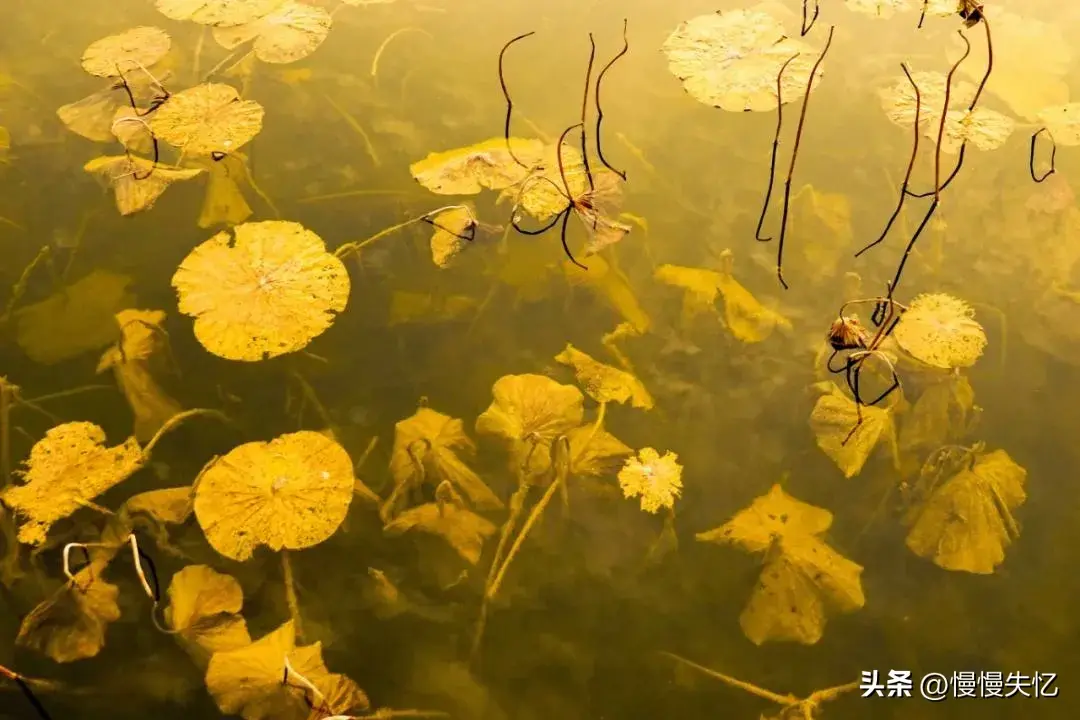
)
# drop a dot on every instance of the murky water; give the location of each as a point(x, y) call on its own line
point(433, 359)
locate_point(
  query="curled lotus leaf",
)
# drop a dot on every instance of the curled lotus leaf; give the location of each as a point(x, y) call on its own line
point(604, 383)
point(268, 291)
point(468, 170)
point(531, 406)
point(832, 420)
point(290, 493)
point(204, 610)
point(68, 467)
point(465, 531)
point(134, 49)
point(731, 60)
point(289, 33)
point(451, 230)
point(940, 330)
point(207, 120)
point(136, 182)
point(218, 13)
point(70, 625)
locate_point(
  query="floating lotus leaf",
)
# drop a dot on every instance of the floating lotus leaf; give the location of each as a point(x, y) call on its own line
point(71, 624)
point(731, 60)
point(219, 13)
point(224, 202)
point(204, 610)
point(448, 239)
point(543, 192)
point(68, 467)
point(983, 128)
point(1063, 122)
point(289, 33)
point(137, 183)
point(426, 447)
point(78, 318)
point(832, 419)
point(940, 330)
point(290, 493)
point(604, 383)
point(967, 523)
point(883, 9)
point(899, 104)
point(463, 530)
point(132, 361)
point(655, 478)
point(269, 291)
point(803, 578)
point(531, 406)
point(131, 50)
point(207, 119)
point(250, 681)
point(468, 170)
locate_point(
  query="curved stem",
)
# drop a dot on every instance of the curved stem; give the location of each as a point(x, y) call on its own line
point(290, 593)
point(176, 420)
point(358, 245)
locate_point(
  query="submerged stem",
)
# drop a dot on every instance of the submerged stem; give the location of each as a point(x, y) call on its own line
point(358, 245)
point(290, 593)
point(176, 420)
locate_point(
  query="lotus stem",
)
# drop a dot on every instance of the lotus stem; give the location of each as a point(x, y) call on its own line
point(290, 593)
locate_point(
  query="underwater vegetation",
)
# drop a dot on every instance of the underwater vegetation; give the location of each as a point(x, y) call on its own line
point(344, 450)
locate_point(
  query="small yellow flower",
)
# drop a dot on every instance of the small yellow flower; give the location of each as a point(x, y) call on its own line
point(658, 480)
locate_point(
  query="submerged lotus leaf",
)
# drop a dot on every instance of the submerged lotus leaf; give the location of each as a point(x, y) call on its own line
point(223, 13)
point(604, 383)
point(771, 516)
point(204, 610)
point(612, 287)
point(289, 33)
point(137, 183)
point(134, 49)
point(426, 447)
point(803, 578)
point(76, 319)
point(251, 682)
point(465, 531)
point(700, 288)
point(290, 493)
point(967, 523)
point(746, 318)
point(531, 406)
point(207, 119)
point(451, 227)
point(940, 330)
point(941, 415)
point(68, 467)
point(594, 452)
point(655, 478)
point(71, 624)
point(899, 100)
point(224, 202)
point(142, 340)
point(731, 60)
point(91, 117)
point(832, 419)
point(1063, 122)
point(428, 307)
point(468, 170)
point(268, 291)
point(984, 128)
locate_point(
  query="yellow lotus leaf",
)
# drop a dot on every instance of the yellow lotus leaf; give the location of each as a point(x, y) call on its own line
point(604, 383)
point(613, 288)
point(1063, 122)
point(655, 478)
point(167, 505)
point(771, 516)
point(966, 523)
point(71, 624)
point(803, 578)
point(428, 307)
point(204, 611)
point(940, 416)
point(731, 60)
point(137, 183)
point(883, 9)
point(289, 33)
point(468, 170)
point(594, 452)
point(142, 341)
point(463, 530)
point(899, 100)
point(66, 468)
point(940, 330)
point(746, 318)
point(700, 288)
point(132, 131)
point(290, 493)
point(451, 229)
point(530, 405)
point(268, 291)
point(1032, 62)
point(543, 193)
point(78, 318)
point(91, 117)
point(132, 50)
point(219, 13)
point(224, 202)
point(250, 681)
point(207, 120)
point(426, 447)
point(982, 128)
point(832, 419)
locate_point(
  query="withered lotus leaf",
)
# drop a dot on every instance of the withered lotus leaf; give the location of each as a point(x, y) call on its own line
point(136, 182)
point(204, 610)
point(131, 50)
point(594, 452)
point(463, 530)
point(449, 237)
point(71, 624)
point(267, 291)
point(655, 478)
point(66, 468)
point(290, 493)
point(531, 405)
point(605, 383)
point(219, 13)
point(832, 419)
point(289, 33)
point(468, 170)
